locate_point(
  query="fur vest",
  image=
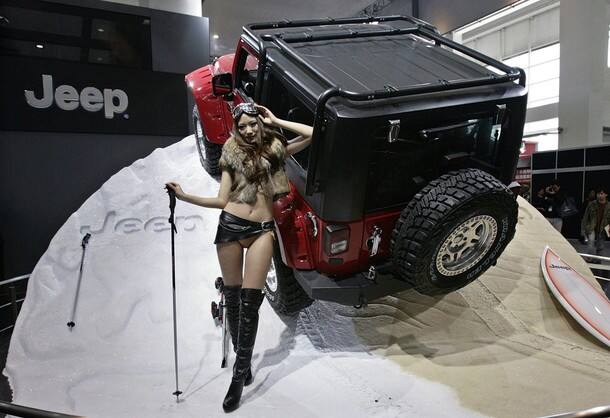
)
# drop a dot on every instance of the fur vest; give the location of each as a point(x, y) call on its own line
point(236, 162)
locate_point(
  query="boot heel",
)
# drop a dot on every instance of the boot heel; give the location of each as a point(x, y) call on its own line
point(231, 402)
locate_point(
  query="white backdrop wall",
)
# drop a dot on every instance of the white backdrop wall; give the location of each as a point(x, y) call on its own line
point(584, 103)
point(526, 29)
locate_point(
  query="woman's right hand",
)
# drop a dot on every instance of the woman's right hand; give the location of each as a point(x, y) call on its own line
point(176, 188)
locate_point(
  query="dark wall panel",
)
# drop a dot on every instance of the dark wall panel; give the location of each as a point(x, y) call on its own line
point(153, 103)
point(448, 15)
point(544, 160)
point(45, 177)
point(571, 158)
point(598, 156)
point(594, 179)
point(181, 43)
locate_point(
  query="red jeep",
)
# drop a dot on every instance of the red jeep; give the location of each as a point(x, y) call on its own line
point(414, 139)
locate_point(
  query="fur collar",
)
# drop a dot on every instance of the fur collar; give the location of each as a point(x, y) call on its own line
point(236, 161)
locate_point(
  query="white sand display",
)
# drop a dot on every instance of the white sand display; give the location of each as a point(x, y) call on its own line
point(500, 347)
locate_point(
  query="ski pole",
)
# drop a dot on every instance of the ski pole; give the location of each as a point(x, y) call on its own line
point(225, 334)
point(172, 206)
point(83, 244)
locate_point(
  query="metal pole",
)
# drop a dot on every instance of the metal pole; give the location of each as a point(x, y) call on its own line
point(173, 231)
point(83, 244)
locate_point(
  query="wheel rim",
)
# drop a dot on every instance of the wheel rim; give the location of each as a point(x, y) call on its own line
point(200, 137)
point(466, 245)
point(272, 279)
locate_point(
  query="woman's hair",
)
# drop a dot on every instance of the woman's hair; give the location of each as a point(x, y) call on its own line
point(256, 151)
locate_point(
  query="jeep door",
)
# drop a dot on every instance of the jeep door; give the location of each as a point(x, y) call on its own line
point(245, 67)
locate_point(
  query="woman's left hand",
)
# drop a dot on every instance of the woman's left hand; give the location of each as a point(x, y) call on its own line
point(267, 116)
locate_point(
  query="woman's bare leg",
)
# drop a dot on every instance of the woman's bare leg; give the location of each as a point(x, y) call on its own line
point(230, 257)
point(258, 261)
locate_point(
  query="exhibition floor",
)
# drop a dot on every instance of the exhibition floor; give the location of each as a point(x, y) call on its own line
point(501, 347)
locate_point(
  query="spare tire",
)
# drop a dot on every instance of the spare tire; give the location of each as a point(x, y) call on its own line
point(453, 230)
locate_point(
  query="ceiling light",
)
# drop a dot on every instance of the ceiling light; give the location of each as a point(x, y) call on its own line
point(215, 36)
point(39, 46)
point(100, 30)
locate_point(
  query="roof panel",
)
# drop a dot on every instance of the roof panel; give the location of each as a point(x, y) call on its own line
point(371, 63)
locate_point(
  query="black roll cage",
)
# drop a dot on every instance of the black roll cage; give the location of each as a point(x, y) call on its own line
point(421, 29)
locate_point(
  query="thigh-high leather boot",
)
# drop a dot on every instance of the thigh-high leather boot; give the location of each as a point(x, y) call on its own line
point(232, 302)
point(251, 300)
point(232, 297)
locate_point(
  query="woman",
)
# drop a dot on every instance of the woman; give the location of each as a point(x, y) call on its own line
point(253, 176)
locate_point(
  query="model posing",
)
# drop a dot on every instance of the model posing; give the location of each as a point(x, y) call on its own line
point(252, 165)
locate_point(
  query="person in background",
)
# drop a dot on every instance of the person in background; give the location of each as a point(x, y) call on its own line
point(596, 221)
point(596, 225)
point(591, 196)
point(539, 201)
point(553, 200)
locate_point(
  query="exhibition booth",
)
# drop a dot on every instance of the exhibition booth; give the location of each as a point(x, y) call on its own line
point(109, 281)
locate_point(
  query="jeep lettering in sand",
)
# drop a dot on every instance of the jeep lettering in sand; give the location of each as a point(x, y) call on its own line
point(403, 186)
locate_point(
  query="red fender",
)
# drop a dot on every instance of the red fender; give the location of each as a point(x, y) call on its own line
point(212, 109)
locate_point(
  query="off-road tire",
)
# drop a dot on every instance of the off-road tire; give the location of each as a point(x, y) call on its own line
point(467, 201)
point(209, 152)
point(285, 296)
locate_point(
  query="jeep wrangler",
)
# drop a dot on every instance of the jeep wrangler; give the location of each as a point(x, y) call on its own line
point(403, 185)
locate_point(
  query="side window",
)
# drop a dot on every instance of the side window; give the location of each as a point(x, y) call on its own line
point(285, 105)
point(246, 74)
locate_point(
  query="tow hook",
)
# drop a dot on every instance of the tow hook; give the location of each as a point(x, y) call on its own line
point(314, 223)
point(374, 240)
point(372, 274)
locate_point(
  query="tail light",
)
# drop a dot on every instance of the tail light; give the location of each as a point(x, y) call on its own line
point(336, 239)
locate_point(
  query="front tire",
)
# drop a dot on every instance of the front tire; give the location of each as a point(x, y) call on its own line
point(453, 230)
point(209, 152)
point(283, 292)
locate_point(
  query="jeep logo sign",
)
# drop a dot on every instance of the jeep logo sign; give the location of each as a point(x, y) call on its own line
point(113, 101)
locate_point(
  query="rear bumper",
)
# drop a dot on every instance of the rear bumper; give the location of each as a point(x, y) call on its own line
point(354, 290)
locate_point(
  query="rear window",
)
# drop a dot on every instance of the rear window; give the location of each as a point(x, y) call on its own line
point(424, 150)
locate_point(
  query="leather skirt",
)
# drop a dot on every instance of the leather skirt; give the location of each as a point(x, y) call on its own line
point(233, 228)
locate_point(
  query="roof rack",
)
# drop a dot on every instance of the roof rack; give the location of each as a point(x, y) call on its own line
point(338, 21)
point(422, 29)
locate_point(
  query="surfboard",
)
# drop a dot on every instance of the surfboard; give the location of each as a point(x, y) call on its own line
point(587, 305)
